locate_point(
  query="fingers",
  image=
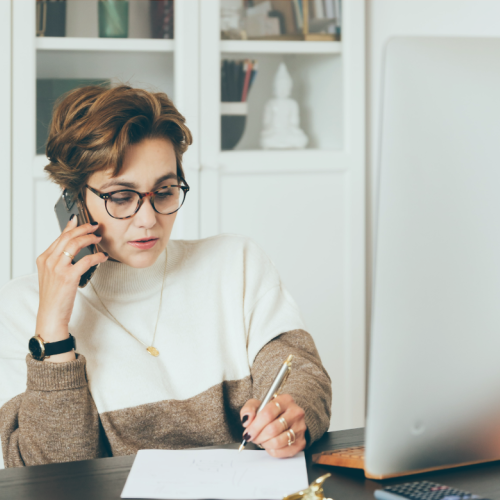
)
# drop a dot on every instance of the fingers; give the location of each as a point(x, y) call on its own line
point(85, 263)
point(274, 436)
point(65, 243)
point(76, 244)
point(287, 451)
point(248, 412)
point(72, 223)
point(294, 418)
point(268, 414)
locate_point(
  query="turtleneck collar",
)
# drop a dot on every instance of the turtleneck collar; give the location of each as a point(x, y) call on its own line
point(118, 281)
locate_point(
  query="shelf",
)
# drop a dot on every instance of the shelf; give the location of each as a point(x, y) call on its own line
point(105, 44)
point(279, 47)
point(298, 161)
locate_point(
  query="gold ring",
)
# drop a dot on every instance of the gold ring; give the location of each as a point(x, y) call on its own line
point(290, 433)
point(284, 423)
point(278, 405)
point(68, 255)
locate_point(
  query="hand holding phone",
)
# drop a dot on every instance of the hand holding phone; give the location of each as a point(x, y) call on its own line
point(69, 204)
point(59, 278)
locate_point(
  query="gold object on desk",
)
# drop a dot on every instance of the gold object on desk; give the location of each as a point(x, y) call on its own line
point(314, 492)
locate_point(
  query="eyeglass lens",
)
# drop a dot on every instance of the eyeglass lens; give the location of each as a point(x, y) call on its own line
point(124, 203)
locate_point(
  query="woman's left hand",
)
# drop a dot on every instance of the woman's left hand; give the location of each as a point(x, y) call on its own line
point(270, 428)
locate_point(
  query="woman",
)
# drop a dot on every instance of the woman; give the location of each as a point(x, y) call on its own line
point(177, 341)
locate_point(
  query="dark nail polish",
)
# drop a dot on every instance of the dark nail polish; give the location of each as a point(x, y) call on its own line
point(247, 437)
point(244, 419)
point(98, 235)
point(72, 215)
point(106, 254)
point(94, 223)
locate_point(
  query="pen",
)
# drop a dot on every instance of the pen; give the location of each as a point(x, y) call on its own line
point(275, 388)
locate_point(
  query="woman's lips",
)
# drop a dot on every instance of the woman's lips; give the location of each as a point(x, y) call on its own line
point(144, 244)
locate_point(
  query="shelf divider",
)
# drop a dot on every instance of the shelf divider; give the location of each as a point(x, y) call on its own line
point(279, 47)
point(105, 44)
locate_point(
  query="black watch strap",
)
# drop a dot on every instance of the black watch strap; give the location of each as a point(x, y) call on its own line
point(52, 348)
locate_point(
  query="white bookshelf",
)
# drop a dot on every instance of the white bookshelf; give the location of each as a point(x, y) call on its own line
point(305, 208)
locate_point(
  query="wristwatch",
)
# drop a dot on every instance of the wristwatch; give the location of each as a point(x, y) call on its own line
point(40, 349)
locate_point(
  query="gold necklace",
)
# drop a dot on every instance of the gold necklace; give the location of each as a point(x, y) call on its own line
point(152, 350)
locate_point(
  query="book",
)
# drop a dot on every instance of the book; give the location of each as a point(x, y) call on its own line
point(247, 68)
point(237, 77)
point(298, 15)
point(162, 18)
point(329, 9)
point(319, 12)
point(286, 9)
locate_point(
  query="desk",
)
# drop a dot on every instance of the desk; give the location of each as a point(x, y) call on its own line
point(103, 479)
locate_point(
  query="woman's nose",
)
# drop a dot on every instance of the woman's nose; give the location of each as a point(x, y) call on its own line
point(146, 215)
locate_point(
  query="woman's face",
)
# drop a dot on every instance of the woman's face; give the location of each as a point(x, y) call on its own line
point(144, 169)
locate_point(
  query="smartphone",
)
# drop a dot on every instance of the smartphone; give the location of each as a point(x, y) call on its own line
point(68, 204)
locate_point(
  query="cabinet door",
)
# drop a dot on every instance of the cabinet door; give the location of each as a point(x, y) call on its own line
point(305, 208)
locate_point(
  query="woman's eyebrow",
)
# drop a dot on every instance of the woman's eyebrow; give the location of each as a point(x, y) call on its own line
point(133, 185)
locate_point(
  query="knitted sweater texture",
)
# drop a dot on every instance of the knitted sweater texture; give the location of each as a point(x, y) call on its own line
point(226, 324)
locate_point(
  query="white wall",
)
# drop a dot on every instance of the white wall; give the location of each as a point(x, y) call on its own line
point(5, 141)
point(388, 18)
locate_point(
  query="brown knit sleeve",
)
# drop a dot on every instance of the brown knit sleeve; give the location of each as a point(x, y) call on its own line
point(308, 383)
point(55, 420)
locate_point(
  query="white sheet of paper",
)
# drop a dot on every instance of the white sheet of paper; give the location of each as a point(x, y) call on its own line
point(214, 474)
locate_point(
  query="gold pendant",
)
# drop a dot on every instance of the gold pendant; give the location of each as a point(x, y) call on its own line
point(153, 351)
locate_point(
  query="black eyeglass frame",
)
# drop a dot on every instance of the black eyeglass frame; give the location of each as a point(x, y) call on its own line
point(142, 197)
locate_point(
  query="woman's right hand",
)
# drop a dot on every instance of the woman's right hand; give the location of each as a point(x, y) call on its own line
point(58, 281)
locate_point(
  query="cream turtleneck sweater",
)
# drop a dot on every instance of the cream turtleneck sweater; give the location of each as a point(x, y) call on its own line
point(226, 324)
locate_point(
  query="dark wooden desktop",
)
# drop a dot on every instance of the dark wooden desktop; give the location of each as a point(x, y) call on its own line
point(103, 479)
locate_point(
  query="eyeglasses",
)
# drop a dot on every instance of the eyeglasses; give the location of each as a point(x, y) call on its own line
point(126, 203)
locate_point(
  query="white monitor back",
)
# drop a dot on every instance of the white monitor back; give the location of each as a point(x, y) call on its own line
point(434, 383)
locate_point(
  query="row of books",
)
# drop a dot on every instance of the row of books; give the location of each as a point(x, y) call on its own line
point(286, 17)
point(237, 77)
point(162, 18)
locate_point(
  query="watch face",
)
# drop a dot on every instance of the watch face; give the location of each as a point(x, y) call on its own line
point(35, 347)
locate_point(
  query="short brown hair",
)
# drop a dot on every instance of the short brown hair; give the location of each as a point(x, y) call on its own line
point(92, 127)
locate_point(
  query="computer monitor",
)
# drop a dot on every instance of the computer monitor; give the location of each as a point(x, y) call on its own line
point(434, 370)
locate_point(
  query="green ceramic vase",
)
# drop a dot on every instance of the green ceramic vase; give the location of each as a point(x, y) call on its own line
point(113, 18)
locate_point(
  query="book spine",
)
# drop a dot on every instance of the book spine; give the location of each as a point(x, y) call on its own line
point(338, 26)
point(223, 81)
point(330, 9)
point(241, 79)
point(248, 71)
point(172, 10)
point(318, 9)
point(233, 81)
point(298, 15)
point(168, 19)
point(252, 76)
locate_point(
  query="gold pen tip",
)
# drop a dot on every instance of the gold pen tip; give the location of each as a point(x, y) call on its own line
point(241, 447)
point(289, 359)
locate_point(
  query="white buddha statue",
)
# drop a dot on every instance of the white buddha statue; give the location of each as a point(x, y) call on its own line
point(281, 116)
